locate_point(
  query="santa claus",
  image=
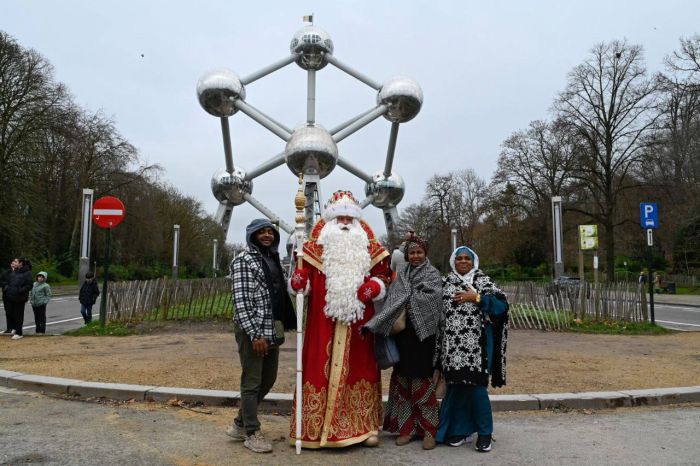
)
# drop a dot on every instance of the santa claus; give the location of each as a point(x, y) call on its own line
point(345, 269)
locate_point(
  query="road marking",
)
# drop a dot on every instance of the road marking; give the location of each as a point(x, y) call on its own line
point(676, 323)
point(679, 308)
point(53, 323)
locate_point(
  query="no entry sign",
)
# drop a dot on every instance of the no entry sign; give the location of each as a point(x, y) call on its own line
point(108, 212)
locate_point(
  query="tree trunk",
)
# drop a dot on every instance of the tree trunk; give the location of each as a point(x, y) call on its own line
point(610, 250)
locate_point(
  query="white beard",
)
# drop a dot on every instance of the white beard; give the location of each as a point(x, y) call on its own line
point(345, 263)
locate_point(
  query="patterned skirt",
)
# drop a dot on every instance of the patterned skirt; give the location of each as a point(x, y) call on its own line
point(412, 408)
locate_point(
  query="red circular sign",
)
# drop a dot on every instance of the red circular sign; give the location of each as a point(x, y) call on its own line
point(108, 212)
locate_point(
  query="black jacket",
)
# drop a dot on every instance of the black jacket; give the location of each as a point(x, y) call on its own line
point(4, 278)
point(89, 292)
point(19, 283)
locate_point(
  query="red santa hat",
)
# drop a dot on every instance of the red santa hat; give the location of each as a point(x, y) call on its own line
point(342, 203)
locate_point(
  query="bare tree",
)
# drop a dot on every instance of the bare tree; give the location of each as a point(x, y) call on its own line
point(610, 103)
point(538, 163)
point(687, 59)
point(468, 201)
point(27, 95)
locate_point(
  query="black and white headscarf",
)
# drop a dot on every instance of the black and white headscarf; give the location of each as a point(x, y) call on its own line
point(462, 337)
point(418, 287)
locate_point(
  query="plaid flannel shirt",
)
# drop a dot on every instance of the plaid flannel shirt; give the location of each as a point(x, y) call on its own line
point(251, 296)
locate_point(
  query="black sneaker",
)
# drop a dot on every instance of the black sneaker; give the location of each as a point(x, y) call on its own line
point(483, 443)
point(456, 441)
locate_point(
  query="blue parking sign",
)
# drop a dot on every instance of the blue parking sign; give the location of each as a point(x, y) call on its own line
point(649, 215)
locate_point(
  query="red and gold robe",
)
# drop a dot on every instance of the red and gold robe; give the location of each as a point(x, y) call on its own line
point(341, 384)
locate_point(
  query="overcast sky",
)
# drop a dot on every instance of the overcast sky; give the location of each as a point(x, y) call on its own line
point(486, 69)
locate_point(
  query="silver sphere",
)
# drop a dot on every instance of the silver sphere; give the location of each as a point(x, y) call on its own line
point(230, 187)
point(218, 90)
point(387, 192)
point(403, 96)
point(311, 150)
point(312, 43)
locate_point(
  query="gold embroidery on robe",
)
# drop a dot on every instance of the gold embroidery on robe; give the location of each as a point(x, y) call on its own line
point(359, 410)
point(314, 406)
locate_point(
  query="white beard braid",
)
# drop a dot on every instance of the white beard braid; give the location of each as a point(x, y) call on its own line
point(345, 263)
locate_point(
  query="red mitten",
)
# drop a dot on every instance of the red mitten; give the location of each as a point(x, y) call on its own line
point(299, 280)
point(369, 290)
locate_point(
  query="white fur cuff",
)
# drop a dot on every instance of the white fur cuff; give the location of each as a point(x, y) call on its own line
point(382, 289)
point(291, 291)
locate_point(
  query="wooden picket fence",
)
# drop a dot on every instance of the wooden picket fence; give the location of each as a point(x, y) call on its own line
point(533, 305)
point(548, 307)
point(164, 299)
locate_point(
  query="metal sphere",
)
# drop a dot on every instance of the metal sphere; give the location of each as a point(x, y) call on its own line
point(387, 192)
point(312, 43)
point(403, 96)
point(312, 151)
point(218, 90)
point(230, 187)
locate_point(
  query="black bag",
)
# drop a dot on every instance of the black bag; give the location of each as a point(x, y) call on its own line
point(385, 351)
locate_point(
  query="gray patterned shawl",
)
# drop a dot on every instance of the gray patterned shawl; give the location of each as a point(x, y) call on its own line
point(419, 287)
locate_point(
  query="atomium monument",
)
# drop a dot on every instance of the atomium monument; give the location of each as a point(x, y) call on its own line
point(310, 149)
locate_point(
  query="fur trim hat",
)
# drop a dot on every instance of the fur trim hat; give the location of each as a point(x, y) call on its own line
point(342, 203)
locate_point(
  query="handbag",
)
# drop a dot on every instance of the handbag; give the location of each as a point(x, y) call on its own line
point(399, 324)
point(385, 351)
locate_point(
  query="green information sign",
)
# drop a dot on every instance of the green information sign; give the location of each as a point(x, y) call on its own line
point(588, 237)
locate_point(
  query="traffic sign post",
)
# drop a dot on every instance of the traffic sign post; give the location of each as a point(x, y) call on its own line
point(107, 212)
point(649, 220)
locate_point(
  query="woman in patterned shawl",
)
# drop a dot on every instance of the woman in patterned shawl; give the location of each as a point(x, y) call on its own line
point(471, 349)
point(412, 409)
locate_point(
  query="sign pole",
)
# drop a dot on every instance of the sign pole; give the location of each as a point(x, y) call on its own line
point(595, 284)
point(103, 301)
point(107, 213)
point(649, 220)
point(650, 243)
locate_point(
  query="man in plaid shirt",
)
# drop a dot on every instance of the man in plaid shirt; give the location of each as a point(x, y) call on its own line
point(262, 311)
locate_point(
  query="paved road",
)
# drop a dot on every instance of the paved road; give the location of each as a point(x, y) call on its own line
point(62, 314)
point(40, 429)
point(677, 317)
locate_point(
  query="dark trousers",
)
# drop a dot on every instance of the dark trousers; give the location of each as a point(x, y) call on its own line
point(17, 315)
point(86, 312)
point(8, 314)
point(258, 375)
point(40, 318)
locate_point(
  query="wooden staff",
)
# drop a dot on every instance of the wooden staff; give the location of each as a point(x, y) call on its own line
point(300, 204)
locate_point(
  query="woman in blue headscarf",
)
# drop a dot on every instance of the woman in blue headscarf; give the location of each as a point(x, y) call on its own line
point(471, 350)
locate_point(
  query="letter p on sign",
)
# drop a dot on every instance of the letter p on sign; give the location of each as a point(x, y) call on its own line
point(649, 215)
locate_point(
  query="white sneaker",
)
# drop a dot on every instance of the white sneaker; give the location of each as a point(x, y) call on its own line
point(257, 443)
point(17, 337)
point(236, 432)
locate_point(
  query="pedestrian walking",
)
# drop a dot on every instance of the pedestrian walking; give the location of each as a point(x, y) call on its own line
point(4, 280)
point(16, 291)
point(263, 310)
point(88, 296)
point(39, 297)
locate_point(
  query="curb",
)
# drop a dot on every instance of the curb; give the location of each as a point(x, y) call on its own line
point(282, 402)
